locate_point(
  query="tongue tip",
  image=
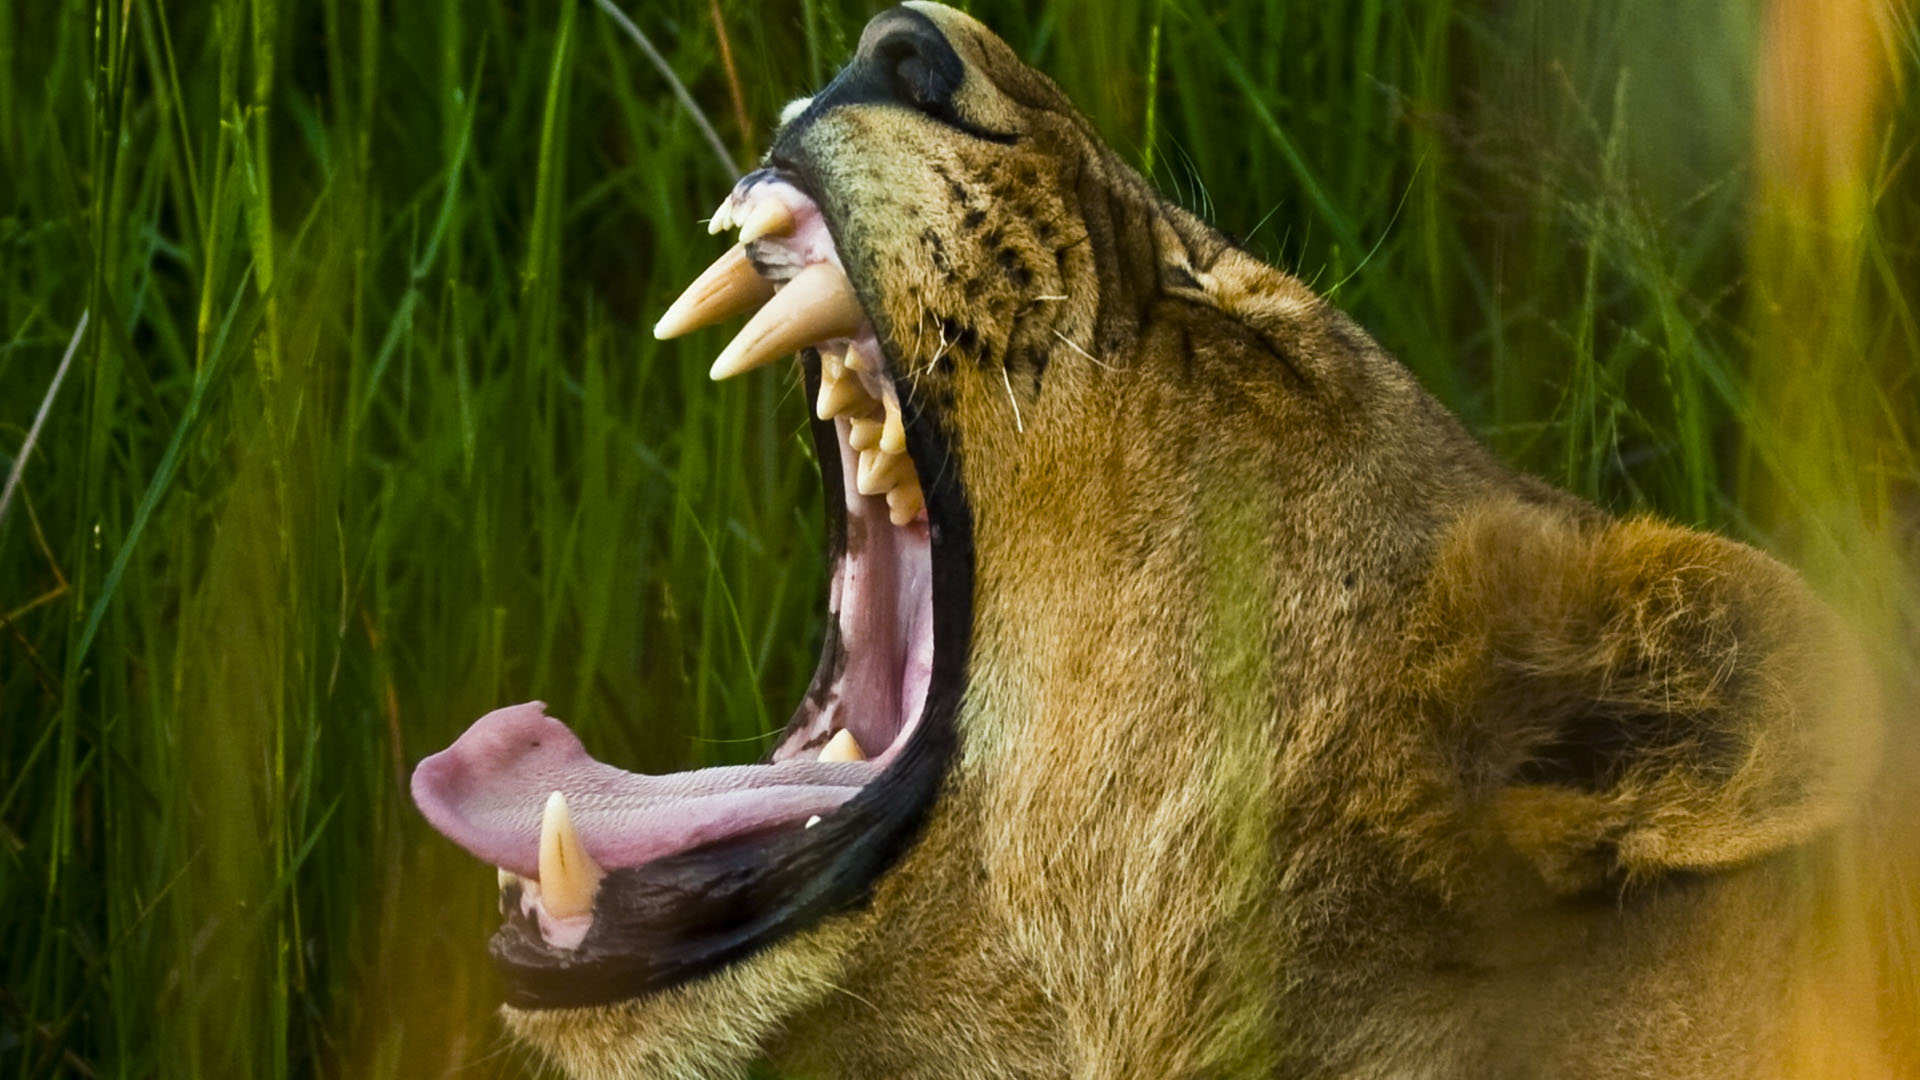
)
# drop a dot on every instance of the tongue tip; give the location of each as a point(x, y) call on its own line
point(441, 782)
point(499, 734)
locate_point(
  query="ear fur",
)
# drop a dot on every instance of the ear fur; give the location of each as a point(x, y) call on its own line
point(1625, 699)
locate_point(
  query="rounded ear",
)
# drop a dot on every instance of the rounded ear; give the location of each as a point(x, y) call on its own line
point(1627, 699)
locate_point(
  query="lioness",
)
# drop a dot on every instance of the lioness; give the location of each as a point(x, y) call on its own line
point(1198, 698)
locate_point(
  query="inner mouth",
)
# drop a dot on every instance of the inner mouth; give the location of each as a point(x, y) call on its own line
point(576, 840)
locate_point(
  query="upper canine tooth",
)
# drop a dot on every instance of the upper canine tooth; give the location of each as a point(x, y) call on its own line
point(728, 287)
point(771, 218)
point(842, 747)
point(817, 305)
point(893, 437)
point(568, 875)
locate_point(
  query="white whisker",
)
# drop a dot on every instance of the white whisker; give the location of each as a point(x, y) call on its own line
point(944, 346)
point(1075, 346)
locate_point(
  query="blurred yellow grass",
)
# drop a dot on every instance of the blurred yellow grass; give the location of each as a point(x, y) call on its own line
point(1830, 456)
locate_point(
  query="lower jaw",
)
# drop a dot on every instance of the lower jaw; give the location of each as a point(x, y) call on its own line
point(677, 919)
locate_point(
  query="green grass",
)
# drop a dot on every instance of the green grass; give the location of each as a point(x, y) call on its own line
point(367, 435)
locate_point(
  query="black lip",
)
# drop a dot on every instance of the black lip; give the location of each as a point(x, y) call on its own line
point(676, 919)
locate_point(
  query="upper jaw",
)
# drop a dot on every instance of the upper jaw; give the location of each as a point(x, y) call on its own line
point(787, 271)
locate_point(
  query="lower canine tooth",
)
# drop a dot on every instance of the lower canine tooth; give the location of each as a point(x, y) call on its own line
point(728, 287)
point(818, 304)
point(842, 747)
point(568, 875)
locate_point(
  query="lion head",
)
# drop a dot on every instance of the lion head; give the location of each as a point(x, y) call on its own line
point(1198, 698)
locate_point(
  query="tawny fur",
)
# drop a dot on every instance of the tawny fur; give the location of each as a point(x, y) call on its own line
point(1301, 737)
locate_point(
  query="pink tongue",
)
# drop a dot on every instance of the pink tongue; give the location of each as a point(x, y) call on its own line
point(486, 791)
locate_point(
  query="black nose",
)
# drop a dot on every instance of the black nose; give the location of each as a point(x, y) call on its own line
point(903, 59)
point(909, 54)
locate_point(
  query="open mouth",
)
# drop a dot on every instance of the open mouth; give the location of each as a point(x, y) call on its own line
point(616, 883)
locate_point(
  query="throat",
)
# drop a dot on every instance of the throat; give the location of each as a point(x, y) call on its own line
point(873, 684)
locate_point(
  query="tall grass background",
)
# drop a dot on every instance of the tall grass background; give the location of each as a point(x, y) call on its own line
point(366, 435)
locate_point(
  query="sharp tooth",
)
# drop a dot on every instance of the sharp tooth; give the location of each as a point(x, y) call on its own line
point(856, 358)
point(507, 877)
point(568, 875)
point(893, 438)
point(904, 502)
point(842, 747)
point(818, 304)
point(812, 821)
point(823, 402)
point(728, 287)
point(881, 472)
point(902, 471)
point(840, 395)
point(771, 218)
point(722, 218)
point(863, 434)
